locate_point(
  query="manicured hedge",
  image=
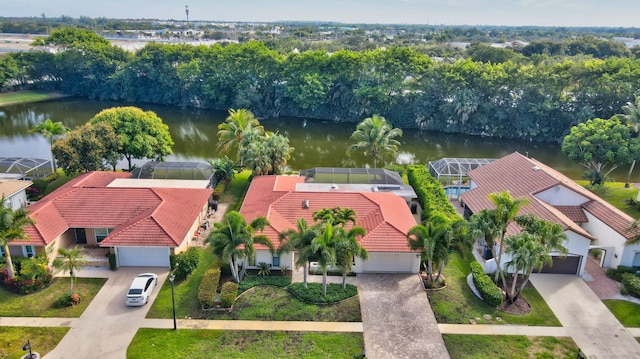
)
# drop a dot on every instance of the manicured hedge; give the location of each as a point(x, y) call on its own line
point(208, 287)
point(488, 290)
point(431, 194)
point(313, 294)
point(616, 273)
point(228, 294)
point(631, 284)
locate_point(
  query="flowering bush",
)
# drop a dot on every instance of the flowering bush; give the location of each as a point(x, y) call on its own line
point(26, 286)
point(67, 300)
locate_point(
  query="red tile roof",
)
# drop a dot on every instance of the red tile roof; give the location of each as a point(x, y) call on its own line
point(139, 216)
point(384, 216)
point(525, 177)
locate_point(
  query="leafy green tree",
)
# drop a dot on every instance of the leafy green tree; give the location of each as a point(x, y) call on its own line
point(88, 148)
point(299, 239)
point(600, 146)
point(232, 240)
point(376, 138)
point(50, 130)
point(631, 117)
point(231, 131)
point(505, 213)
point(12, 225)
point(336, 216)
point(143, 133)
point(71, 260)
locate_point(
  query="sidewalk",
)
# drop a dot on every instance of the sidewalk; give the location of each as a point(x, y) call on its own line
point(497, 329)
point(355, 327)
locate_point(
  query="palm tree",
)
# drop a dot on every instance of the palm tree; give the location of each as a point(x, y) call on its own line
point(223, 169)
point(376, 138)
point(299, 239)
point(527, 253)
point(12, 224)
point(335, 216)
point(632, 117)
point(50, 130)
point(324, 249)
point(551, 235)
point(429, 237)
point(230, 132)
point(71, 260)
point(483, 224)
point(506, 210)
point(347, 248)
point(232, 240)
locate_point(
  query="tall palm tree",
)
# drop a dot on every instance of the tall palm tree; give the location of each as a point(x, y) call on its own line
point(324, 249)
point(376, 138)
point(50, 130)
point(335, 216)
point(348, 247)
point(12, 225)
point(299, 239)
point(429, 237)
point(230, 132)
point(232, 240)
point(506, 211)
point(71, 260)
point(551, 235)
point(483, 224)
point(632, 117)
point(223, 169)
point(527, 253)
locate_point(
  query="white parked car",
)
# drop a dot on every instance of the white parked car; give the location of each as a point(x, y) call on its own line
point(140, 289)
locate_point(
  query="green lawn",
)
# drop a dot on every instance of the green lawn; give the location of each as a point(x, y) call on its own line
point(210, 344)
point(9, 98)
point(43, 340)
point(509, 347)
point(261, 303)
point(616, 195)
point(628, 313)
point(40, 304)
point(235, 194)
point(457, 304)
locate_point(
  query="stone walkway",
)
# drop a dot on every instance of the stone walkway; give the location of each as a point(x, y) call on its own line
point(596, 278)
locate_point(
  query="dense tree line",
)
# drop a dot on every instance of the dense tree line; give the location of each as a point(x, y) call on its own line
point(533, 100)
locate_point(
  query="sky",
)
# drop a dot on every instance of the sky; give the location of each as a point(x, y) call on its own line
point(566, 13)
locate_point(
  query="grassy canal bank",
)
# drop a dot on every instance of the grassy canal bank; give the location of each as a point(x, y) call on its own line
point(10, 98)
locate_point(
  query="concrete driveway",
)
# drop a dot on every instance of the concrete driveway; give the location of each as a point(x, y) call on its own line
point(107, 326)
point(397, 319)
point(586, 319)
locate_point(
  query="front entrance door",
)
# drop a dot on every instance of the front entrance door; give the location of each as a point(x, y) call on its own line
point(81, 236)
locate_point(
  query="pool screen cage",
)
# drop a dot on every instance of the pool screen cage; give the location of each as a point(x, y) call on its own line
point(175, 170)
point(453, 171)
point(351, 175)
point(17, 168)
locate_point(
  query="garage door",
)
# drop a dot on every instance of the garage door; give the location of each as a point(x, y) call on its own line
point(388, 263)
point(567, 265)
point(143, 256)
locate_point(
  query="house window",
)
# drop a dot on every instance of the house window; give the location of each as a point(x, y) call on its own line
point(28, 251)
point(1, 251)
point(276, 260)
point(102, 233)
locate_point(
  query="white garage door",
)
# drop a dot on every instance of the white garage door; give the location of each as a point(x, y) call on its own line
point(389, 263)
point(143, 256)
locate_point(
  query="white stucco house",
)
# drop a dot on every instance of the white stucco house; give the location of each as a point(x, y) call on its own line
point(588, 221)
point(386, 218)
point(14, 193)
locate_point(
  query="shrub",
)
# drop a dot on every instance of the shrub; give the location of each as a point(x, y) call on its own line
point(209, 286)
point(112, 261)
point(313, 294)
point(431, 194)
point(218, 191)
point(631, 283)
point(228, 294)
point(616, 273)
point(23, 286)
point(250, 282)
point(488, 290)
point(67, 300)
point(264, 269)
point(186, 262)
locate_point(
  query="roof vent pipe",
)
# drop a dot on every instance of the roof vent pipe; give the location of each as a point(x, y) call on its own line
point(305, 204)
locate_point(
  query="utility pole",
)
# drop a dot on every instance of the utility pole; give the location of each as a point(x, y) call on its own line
point(186, 10)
